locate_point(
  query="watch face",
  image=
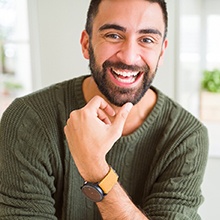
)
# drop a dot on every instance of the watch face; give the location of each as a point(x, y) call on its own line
point(93, 192)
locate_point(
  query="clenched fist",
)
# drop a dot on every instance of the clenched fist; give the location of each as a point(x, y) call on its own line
point(91, 133)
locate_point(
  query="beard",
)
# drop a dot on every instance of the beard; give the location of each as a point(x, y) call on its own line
point(118, 96)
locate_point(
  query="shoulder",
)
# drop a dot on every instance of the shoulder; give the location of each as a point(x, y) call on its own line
point(176, 125)
point(48, 100)
point(174, 113)
point(182, 138)
point(42, 113)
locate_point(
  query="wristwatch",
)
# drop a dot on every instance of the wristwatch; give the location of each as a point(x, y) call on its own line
point(96, 191)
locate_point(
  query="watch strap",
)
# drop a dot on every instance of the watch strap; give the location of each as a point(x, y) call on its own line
point(107, 183)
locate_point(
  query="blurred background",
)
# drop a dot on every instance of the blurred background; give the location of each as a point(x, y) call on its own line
point(39, 46)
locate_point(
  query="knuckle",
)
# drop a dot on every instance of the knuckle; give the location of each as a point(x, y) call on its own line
point(84, 112)
point(72, 114)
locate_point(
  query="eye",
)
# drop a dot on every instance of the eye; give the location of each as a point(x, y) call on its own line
point(113, 37)
point(147, 40)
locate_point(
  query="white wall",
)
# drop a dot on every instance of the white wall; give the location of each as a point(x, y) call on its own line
point(210, 188)
point(56, 26)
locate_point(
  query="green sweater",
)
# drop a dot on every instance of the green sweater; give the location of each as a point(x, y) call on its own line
point(161, 165)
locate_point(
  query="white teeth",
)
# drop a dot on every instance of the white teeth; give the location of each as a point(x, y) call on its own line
point(126, 74)
point(126, 80)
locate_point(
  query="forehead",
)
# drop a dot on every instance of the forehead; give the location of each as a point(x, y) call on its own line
point(131, 14)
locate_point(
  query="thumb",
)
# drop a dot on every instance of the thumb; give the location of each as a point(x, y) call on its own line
point(121, 117)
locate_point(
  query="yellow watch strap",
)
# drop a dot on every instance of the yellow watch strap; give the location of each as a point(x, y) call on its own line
point(109, 181)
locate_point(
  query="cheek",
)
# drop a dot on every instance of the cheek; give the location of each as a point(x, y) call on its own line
point(104, 51)
point(151, 58)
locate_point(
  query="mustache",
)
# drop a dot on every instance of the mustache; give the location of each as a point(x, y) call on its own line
point(123, 66)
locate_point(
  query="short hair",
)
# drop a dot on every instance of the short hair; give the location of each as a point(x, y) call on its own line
point(94, 7)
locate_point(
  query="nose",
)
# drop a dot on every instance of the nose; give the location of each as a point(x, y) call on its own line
point(129, 53)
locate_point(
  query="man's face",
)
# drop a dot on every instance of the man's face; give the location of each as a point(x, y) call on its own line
point(126, 48)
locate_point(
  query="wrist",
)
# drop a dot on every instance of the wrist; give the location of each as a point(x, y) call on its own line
point(96, 191)
point(95, 173)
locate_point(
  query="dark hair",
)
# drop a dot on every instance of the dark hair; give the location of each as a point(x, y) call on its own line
point(94, 7)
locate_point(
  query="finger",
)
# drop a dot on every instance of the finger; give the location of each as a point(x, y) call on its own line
point(103, 116)
point(97, 103)
point(121, 117)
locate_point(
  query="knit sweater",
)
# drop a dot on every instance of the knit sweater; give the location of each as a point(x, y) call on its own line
point(160, 165)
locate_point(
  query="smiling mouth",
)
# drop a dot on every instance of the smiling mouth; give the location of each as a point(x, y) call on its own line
point(126, 77)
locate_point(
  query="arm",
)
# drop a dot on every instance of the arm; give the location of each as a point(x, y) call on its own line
point(117, 205)
point(175, 190)
point(90, 135)
point(26, 185)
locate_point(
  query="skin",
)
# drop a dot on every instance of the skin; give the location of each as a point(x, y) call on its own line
point(100, 123)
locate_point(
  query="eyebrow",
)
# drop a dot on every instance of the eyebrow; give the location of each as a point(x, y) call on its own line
point(150, 31)
point(112, 26)
point(123, 29)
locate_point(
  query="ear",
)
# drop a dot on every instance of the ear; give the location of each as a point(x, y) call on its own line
point(164, 46)
point(84, 41)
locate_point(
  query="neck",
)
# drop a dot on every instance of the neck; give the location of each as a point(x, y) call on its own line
point(138, 113)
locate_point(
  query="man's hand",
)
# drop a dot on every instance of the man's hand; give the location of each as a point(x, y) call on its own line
point(91, 133)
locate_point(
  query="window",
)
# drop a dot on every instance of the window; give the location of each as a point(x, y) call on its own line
point(15, 68)
point(213, 45)
point(199, 48)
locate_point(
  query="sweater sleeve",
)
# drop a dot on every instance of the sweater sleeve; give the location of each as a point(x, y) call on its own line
point(26, 179)
point(176, 191)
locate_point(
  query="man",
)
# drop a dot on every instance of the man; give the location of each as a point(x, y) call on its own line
point(126, 151)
